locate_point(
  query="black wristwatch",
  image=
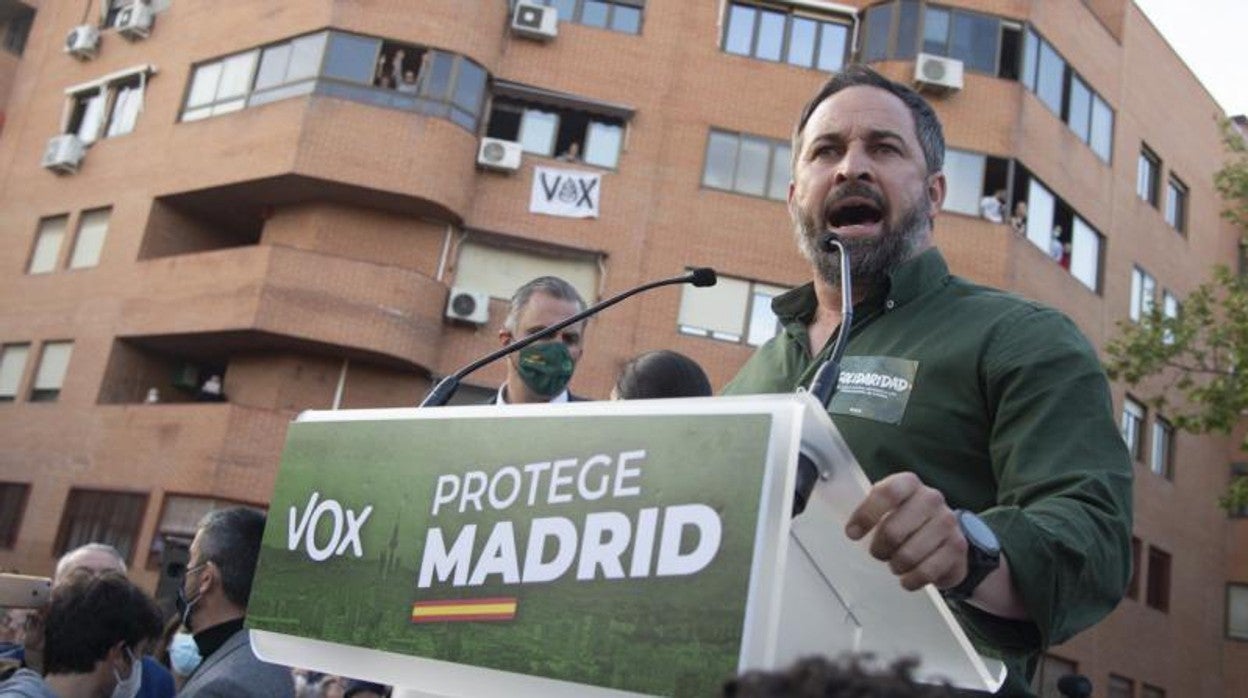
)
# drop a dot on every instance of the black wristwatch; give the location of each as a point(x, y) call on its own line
point(983, 554)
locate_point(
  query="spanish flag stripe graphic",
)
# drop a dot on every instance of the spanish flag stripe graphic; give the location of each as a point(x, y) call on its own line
point(492, 609)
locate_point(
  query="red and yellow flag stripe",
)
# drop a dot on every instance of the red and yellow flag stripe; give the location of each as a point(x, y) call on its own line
point(457, 610)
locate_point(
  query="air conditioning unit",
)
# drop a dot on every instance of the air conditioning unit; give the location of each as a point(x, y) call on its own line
point(134, 21)
point(83, 42)
point(535, 21)
point(498, 154)
point(466, 305)
point(63, 154)
point(937, 71)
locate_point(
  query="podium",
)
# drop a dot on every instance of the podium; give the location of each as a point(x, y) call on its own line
point(581, 549)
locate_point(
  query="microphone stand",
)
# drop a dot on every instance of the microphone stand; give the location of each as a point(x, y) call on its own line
point(828, 376)
point(445, 389)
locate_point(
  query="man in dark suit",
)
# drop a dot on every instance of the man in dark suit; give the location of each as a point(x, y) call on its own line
point(541, 371)
point(213, 600)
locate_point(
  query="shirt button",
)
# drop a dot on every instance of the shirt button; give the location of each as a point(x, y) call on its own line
point(890, 304)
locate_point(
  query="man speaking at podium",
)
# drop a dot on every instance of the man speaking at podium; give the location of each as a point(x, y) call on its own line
point(541, 371)
point(984, 420)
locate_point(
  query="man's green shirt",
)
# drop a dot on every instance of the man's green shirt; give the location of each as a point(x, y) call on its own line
point(1002, 405)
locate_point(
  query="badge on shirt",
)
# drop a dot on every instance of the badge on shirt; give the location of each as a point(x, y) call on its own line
point(874, 387)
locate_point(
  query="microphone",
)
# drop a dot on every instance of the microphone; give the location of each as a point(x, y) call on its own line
point(828, 375)
point(445, 389)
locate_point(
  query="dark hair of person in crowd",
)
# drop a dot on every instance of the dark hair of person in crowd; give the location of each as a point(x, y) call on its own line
point(230, 539)
point(848, 677)
point(661, 374)
point(89, 614)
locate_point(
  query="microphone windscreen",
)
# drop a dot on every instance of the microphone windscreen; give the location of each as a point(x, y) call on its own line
point(703, 276)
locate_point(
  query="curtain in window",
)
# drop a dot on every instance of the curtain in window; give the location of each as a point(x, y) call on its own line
point(92, 117)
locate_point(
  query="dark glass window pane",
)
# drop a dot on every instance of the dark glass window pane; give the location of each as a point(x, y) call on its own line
point(907, 29)
point(802, 41)
point(832, 45)
point(721, 160)
point(770, 35)
point(1049, 78)
point(936, 31)
point(594, 13)
point(351, 58)
point(626, 19)
point(974, 41)
point(438, 79)
point(469, 86)
point(1079, 108)
point(1011, 40)
point(740, 30)
point(878, 20)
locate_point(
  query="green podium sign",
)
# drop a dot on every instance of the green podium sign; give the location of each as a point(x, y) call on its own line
point(611, 550)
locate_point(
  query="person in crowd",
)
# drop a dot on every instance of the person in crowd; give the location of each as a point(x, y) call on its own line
point(541, 371)
point(851, 677)
point(572, 154)
point(93, 631)
point(999, 476)
point(357, 688)
point(1018, 221)
point(992, 207)
point(211, 390)
point(212, 601)
point(661, 374)
point(407, 85)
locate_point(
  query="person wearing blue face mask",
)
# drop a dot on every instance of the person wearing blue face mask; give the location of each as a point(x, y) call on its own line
point(541, 371)
point(92, 629)
point(184, 656)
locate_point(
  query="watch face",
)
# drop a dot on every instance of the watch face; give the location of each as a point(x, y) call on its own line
point(978, 533)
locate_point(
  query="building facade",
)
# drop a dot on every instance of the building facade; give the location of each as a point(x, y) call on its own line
point(325, 204)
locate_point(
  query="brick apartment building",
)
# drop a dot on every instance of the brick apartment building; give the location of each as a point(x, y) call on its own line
point(286, 195)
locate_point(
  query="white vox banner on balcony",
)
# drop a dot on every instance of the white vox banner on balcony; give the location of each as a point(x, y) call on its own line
point(567, 193)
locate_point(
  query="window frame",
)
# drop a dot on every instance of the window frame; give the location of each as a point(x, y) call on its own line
point(73, 263)
point(14, 513)
point(578, 14)
point(1176, 215)
point(791, 14)
point(1163, 438)
point(1133, 584)
point(774, 145)
point(62, 544)
point(20, 373)
point(61, 219)
point(36, 393)
point(1230, 632)
point(754, 289)
point(1148, 181)
point(1158, 576)
point(1143, 294)
point(1134, 418)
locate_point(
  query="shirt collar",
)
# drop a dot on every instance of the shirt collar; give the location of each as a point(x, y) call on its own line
point(502, 396)
point(905, 283)
point(209, 640)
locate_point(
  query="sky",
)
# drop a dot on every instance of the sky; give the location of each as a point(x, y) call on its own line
point(1209, 36)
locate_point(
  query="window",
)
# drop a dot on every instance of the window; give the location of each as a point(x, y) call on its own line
point(89, 242)
point(105, 109)
point(18, 29)
point(1084, 257)
point(1133, 586)
point(1238, 470)
point(1237, 611)
point(1170, 309)
point(100, 516)
point(1147, 691)
point(984, 43)
point(772, 34)
point(970, 37)
point(346, 66)
point(1161, 455)
point(1066, 94)
point(499, 270)
point(552, 128)
point(12, 507)
point(1120, 687)
point(1057, 229)
point(734, 310)
point(50, 375)
point(12, 368)
point(747, 164)
point(179, 519)
point(1143, 294)
point(48, 239)
point(1049, 669)
point(1157, 593)
point(970, 177)
point(1148, 172)
point(1176, 204)
point(617, 15)
point(1133, 426)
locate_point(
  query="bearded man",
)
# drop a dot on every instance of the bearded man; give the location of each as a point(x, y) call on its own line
point(998, 472)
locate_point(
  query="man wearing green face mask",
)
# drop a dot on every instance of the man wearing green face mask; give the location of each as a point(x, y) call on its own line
point(541, 371)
